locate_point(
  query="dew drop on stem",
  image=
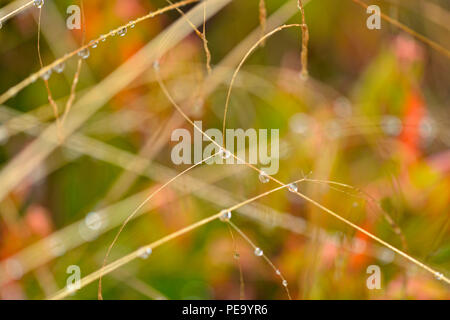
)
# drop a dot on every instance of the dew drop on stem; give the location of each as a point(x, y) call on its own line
point(258, 252)
point(263, 177)
point(84, 53)
point(38, 3)
point(293, 187)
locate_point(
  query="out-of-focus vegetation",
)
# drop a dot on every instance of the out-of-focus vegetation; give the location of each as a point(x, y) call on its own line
point(374, 114)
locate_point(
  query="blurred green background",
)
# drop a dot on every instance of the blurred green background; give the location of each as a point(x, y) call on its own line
point(373, 114)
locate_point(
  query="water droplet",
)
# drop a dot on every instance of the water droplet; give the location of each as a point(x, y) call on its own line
point(236, 256)
point(263, 177)
point(132, 24)
point(146, 252)
point(225, 153)
point(46, 75)
point(93, 44)
point(103, 38)
point(278, 272)
point(59, 67)
point(258, 252)
point(225, 216)
point(84, 53)
point(38, 3)
point(293, 187)
point(285, 283)
point(439, 276)
point(122, 32)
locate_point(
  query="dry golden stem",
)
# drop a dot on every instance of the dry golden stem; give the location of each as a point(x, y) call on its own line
point(47, 87)
point(77, 73)
point(137, 210)
point(262, 19)
point(305, 40)
point(266, 258)
point(227, 102)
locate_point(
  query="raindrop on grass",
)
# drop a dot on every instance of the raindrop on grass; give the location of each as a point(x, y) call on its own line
point(225, 153)
point(146, 253)
point(122, 32)
point(391, 125)
point(263, 177)
point(38, 3)
point(59, 67)
point(225, 216)
point(84, 53)
point(258, 252)
point(93, 44)
point(293, 187)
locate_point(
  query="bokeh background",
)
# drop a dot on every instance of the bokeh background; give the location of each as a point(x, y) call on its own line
point(374, 114)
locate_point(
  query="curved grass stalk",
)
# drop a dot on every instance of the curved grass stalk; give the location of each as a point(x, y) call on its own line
point(139, 207)
point(436, 274)
point(201, 35)
point(137, 253)
point(266, 258)
point(262, 18)
point(87, 147)
point(250, 51)
point(30, 79)
point(132, 256)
